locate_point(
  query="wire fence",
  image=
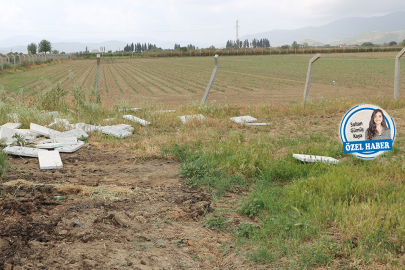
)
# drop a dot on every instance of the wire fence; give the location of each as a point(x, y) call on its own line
point(238, 52)
point(16, 60)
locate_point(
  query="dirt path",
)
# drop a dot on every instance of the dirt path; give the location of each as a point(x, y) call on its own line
point(157, 223)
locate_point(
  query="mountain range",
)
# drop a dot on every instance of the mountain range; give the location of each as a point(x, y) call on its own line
point(342, 31)
point(349, 31)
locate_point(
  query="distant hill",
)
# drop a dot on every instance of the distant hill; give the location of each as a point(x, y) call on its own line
point(336, 30)
point(311, 42)
point(376, 37)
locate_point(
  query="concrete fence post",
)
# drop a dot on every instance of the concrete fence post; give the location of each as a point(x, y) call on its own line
point(1, 57)
point(309, 74)
point(98, 78)
point(14, 59)
point(397, 71)
point(214, 73)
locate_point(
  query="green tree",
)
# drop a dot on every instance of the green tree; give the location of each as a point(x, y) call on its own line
point(32, 48)
point(367, 44)
point(392, 43)
point(403, 42)
point(55, 52)
point(294, 45)
point(44, 46)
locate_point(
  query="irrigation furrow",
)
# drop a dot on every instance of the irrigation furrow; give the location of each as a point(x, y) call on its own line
point(105, 81)
point(171, 75)
point(126, 81)
point(148, 81)
point(144, 86)
point(116, 80)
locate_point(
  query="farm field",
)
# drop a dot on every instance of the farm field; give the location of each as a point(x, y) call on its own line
point(253, 80)
point(208, 194)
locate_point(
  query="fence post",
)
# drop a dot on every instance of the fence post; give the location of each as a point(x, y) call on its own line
point(14, 59)
point(309, 74)
point(397, 70)
point(1, 62)
point(98, 78)
point(214, 72)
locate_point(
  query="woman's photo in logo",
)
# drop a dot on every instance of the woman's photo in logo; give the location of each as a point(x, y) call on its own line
point(367, 131)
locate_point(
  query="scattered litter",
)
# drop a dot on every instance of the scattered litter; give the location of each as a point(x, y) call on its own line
point(136, 119)
point(86, 127)
point(129, 109)
point(22, 151)
point(49, 145)
point(28, 134)
point(58, 198)
point(12, 125)
point(69, 110)
point(65, 140)
point(44, 131)
point(70, 148)
point(124, 127)
point(61, 122)
point(7, 133)
point(49, 160)
point(77, 133)
point(243, 119)
point(185, 118)
point(166, 111)
point(77, 223)
point(311, 158)
point(13, 117)
point(116, 132)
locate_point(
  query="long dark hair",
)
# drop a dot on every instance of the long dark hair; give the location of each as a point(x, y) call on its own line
point(372, 127)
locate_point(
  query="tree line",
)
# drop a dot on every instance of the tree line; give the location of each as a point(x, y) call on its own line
point(256, 43)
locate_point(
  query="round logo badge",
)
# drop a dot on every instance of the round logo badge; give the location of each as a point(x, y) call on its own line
point(367, 131)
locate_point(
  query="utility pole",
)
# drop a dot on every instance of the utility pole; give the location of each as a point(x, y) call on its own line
point(237, 35)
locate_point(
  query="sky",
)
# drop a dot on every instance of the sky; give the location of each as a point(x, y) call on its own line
point(197, 22)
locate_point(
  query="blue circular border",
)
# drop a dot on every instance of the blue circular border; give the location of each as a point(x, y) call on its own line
point(346, 118)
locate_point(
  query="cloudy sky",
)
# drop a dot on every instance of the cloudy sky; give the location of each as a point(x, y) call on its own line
point(194, 21)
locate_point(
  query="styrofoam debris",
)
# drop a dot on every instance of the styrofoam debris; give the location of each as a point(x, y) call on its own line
point(129, 109)
point(86, 127)
point(257, 124)
point(28, 134)
point(22, 151)
point(48, 145)
point(12, 125)
point(49, 160)
point(70, 148)
point(124, 127)
point(185, 118)
point(311, 158)
point(243, 119)
point(13, 117)
point(116, 132)
point(136, 119)
point(166, 111)
point(59, 121)
point(42, 130)
point(7, 133)
point(77, 132)
point(65, 140)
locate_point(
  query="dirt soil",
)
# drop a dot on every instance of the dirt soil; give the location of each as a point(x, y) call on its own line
point(117, 214)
